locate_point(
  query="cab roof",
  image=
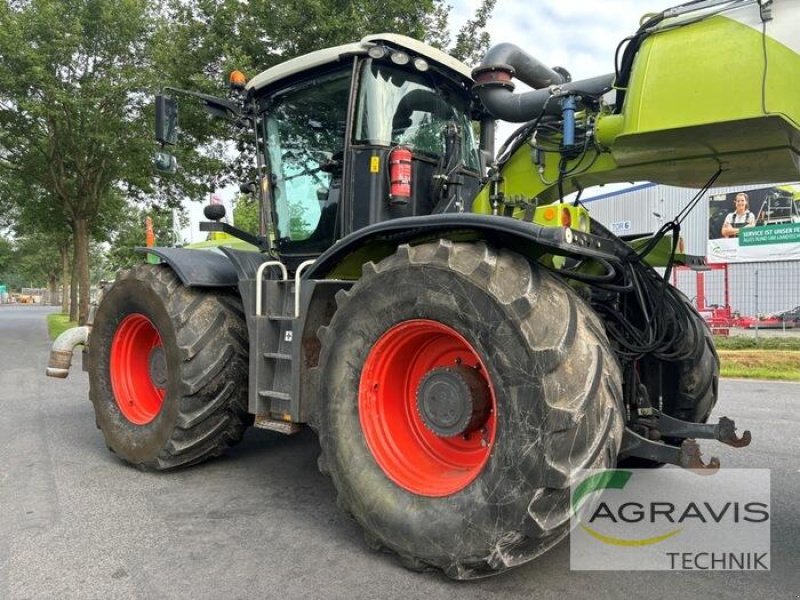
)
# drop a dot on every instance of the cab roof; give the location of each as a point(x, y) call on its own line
point(333, 55)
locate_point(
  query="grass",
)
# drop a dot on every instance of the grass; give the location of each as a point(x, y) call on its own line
point(58, 323)
point(746, 342)
point(776, 358)
point(783, 365)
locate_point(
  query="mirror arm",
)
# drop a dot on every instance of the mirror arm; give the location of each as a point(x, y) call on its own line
point(216, 226)
point(219, 107)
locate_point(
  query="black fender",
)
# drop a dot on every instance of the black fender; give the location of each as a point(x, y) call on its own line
point(343, 260)
point(197, 268)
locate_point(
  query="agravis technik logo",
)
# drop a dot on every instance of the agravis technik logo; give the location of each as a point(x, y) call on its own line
point(612, 479)
point(652, 519)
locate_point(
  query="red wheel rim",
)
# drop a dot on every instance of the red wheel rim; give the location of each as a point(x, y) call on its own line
point(410, 454)
point(137, 395)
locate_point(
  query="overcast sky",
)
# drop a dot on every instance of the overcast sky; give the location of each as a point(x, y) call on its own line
point(579, 35)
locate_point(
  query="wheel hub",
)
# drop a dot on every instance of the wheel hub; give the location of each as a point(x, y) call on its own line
point(453, 400)
point(423, 388)
point(157, 364)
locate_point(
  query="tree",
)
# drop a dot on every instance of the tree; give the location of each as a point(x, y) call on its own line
point(73, 79)
point(245, 214)
point(30, 261)
point(6, 259)
point(76, 82)
point(130, 234)
point(472, 40)
point(37, 262)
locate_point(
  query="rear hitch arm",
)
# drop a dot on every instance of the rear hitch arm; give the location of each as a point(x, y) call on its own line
point(724, 431)
point(688, 454)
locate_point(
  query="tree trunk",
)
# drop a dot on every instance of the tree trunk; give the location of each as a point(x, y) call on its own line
point(52, 288)
point(82, 267)
point(64, 250)
point(73, 285)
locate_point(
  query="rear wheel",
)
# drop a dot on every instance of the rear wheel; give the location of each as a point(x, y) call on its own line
point(690, 383)
point(462, 387)
point(687, 386)
point(168, 369)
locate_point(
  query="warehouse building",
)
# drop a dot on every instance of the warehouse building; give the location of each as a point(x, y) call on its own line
point(758, 277)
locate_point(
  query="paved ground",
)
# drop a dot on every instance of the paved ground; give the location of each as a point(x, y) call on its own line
point(262, 522)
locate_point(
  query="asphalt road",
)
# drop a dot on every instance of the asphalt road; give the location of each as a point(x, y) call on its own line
point(262, 522)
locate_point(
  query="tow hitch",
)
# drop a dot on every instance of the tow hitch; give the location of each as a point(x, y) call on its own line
point(646, 440)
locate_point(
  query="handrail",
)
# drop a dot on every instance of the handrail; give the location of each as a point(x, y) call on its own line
point(303, 265)
point(260, 274)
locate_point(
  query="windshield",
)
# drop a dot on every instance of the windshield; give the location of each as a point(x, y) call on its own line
point(397, 107)
point(305, 132)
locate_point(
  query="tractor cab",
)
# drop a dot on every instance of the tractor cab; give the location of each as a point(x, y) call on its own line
point(363, 133)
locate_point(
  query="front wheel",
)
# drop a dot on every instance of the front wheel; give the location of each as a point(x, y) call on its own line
point(462, 388)
point(168, 369)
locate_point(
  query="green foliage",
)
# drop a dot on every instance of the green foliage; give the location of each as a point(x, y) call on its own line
point(37, 261)
point(245, 214)
point(472, 39)
point(75, 123)
point(299, 227)
point(199, 42)
point(76, 84)
point(58, 324)
point(74, 126)
point(29, 261)
point(6, 258)
point(131, 233)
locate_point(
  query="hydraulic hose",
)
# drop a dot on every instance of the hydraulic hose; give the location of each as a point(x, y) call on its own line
point(503, 103)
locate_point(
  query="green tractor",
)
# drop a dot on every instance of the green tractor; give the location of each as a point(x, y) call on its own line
point(461, 336)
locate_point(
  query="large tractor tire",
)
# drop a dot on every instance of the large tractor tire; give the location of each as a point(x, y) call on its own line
point(168, 369)
point(462, 387)
point(687, 386)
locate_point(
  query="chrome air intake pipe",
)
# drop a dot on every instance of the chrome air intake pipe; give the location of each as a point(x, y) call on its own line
point(496, 90)
point(61, 352)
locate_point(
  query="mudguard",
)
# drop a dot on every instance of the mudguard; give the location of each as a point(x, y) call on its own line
point(197, 268)
point(344, 259)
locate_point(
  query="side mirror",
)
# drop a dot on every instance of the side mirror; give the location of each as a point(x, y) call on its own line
point(165, 163)
point(166, 120)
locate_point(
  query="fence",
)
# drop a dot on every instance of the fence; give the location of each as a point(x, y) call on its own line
point(749, 297)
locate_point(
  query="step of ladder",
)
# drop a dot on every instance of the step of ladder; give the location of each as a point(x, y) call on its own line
point(284, 427)
point(274, 394)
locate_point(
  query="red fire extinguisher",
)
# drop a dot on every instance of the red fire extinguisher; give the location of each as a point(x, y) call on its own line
point(399, 176)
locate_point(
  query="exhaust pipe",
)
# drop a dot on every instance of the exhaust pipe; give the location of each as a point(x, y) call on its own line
point(61, 352)
point(525, 67)
point(496, 90)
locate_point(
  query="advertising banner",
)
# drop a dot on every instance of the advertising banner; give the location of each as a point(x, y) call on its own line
point(754, 225)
